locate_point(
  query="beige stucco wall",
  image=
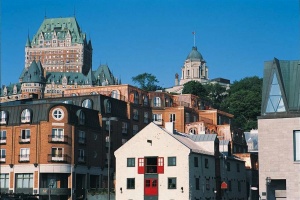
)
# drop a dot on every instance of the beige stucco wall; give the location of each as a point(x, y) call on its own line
point(276, 155)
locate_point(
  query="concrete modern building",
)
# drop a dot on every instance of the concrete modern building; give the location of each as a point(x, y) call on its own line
point(166, 164)
point(279, 131)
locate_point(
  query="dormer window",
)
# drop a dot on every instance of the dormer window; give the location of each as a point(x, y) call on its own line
point(157, 102)
point(3, 119)
point(58, 114)
point(107, 106)
point(146, 100)
point(87, 103)
point(81, 117)
point(26, 116)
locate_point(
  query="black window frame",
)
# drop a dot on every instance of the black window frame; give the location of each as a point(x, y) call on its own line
point(130, 162)
point(171, 161)
point(130, 183)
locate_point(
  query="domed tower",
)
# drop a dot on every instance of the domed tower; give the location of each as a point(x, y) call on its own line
point(194, 68)
point(33, 81)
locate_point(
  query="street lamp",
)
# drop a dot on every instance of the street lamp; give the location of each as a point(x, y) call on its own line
point(109, 119)
point(268, 181)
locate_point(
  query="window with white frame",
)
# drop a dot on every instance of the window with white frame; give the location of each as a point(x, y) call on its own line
point(25, 116)
point(172, 117)
point(2, 136)
point(25, 135)
point(58, 114)
point(57, 134)
point(57, 153)
point(24, 180)
point(146, 117)
point(135, 129)
point(24, 154)
point(124, 127)
point(81, 137)
point(157, 119)
point(81, 157)
point(2, 155)
point(157, 102)
point(135, 114)
point(297, 145)
point(4, 178)
point(3, 117)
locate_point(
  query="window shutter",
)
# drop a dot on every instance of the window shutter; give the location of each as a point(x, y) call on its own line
point(141, 166)
point(160, 165)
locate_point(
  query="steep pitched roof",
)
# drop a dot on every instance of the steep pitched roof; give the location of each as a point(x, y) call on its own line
point(33, 74)
point(287, 74)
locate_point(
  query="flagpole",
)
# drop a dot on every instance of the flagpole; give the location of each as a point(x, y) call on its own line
point(194, 33)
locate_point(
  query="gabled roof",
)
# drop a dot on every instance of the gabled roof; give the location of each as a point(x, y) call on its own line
point(288, 77)
point(34, 73)
point(103, 76)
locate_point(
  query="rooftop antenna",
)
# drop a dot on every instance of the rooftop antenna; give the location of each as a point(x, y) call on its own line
point(74, 11)
point(194, 33)
point(45, 14)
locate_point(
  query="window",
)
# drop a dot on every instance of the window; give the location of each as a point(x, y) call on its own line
point(207, 184)
point(87, 103)
point(107, 107)
point(171, 161)
point(206, 162)
point(25, 135)
point(275, 101)
point(239, 186)
point(130, 183)
point(57, 134)
point(135, 114)
point(146, 117)
point(157, 119)
point(24, 180)
point(228, 166)
point(57, 154)
point(238, 167)
point(130, 162)
point(4, 178)
point(81, 117)
point(2, 155)
point(2, 136)
point(197, 183)
point(146, 100)
point(171, 183)
point(24, 154)
point(172, 117)
point(114, 94)
point(25, 116)
point(81, 157)
point(229, 186)
point(195, 161)
point(187, 117)
point(135, 129)
point(3, 117)
point(124, 127)
point(58, 114)
point(81, 137)
point(157, 102)
point(136, 97)
point(296, 145)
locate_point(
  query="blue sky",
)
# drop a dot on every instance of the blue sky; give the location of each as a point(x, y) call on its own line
point(235, 37)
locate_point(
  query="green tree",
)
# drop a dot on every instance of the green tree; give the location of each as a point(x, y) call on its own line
point(146, 82)
point(216, 94)
point(244, 102)
point(195, 88)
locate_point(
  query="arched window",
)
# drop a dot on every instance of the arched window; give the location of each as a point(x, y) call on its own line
point(136, 97)
point(87, 103)
point(25, 116)
point(193, 131)
point(107, 105)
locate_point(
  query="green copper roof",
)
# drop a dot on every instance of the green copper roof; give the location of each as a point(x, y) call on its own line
point(33, 74)
point(28, 44)
point(194, 55)
point(60, 28)
point(281, 79)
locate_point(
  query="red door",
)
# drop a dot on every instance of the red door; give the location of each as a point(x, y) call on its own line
point(151, 187)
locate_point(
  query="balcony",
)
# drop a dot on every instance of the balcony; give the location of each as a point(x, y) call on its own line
point(58, 139)
point(2, 140)
point(24, 140)
point(24, 158)
point(55, 191)
point(63, 158)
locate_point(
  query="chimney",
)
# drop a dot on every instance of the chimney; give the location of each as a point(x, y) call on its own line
point(169, 127)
